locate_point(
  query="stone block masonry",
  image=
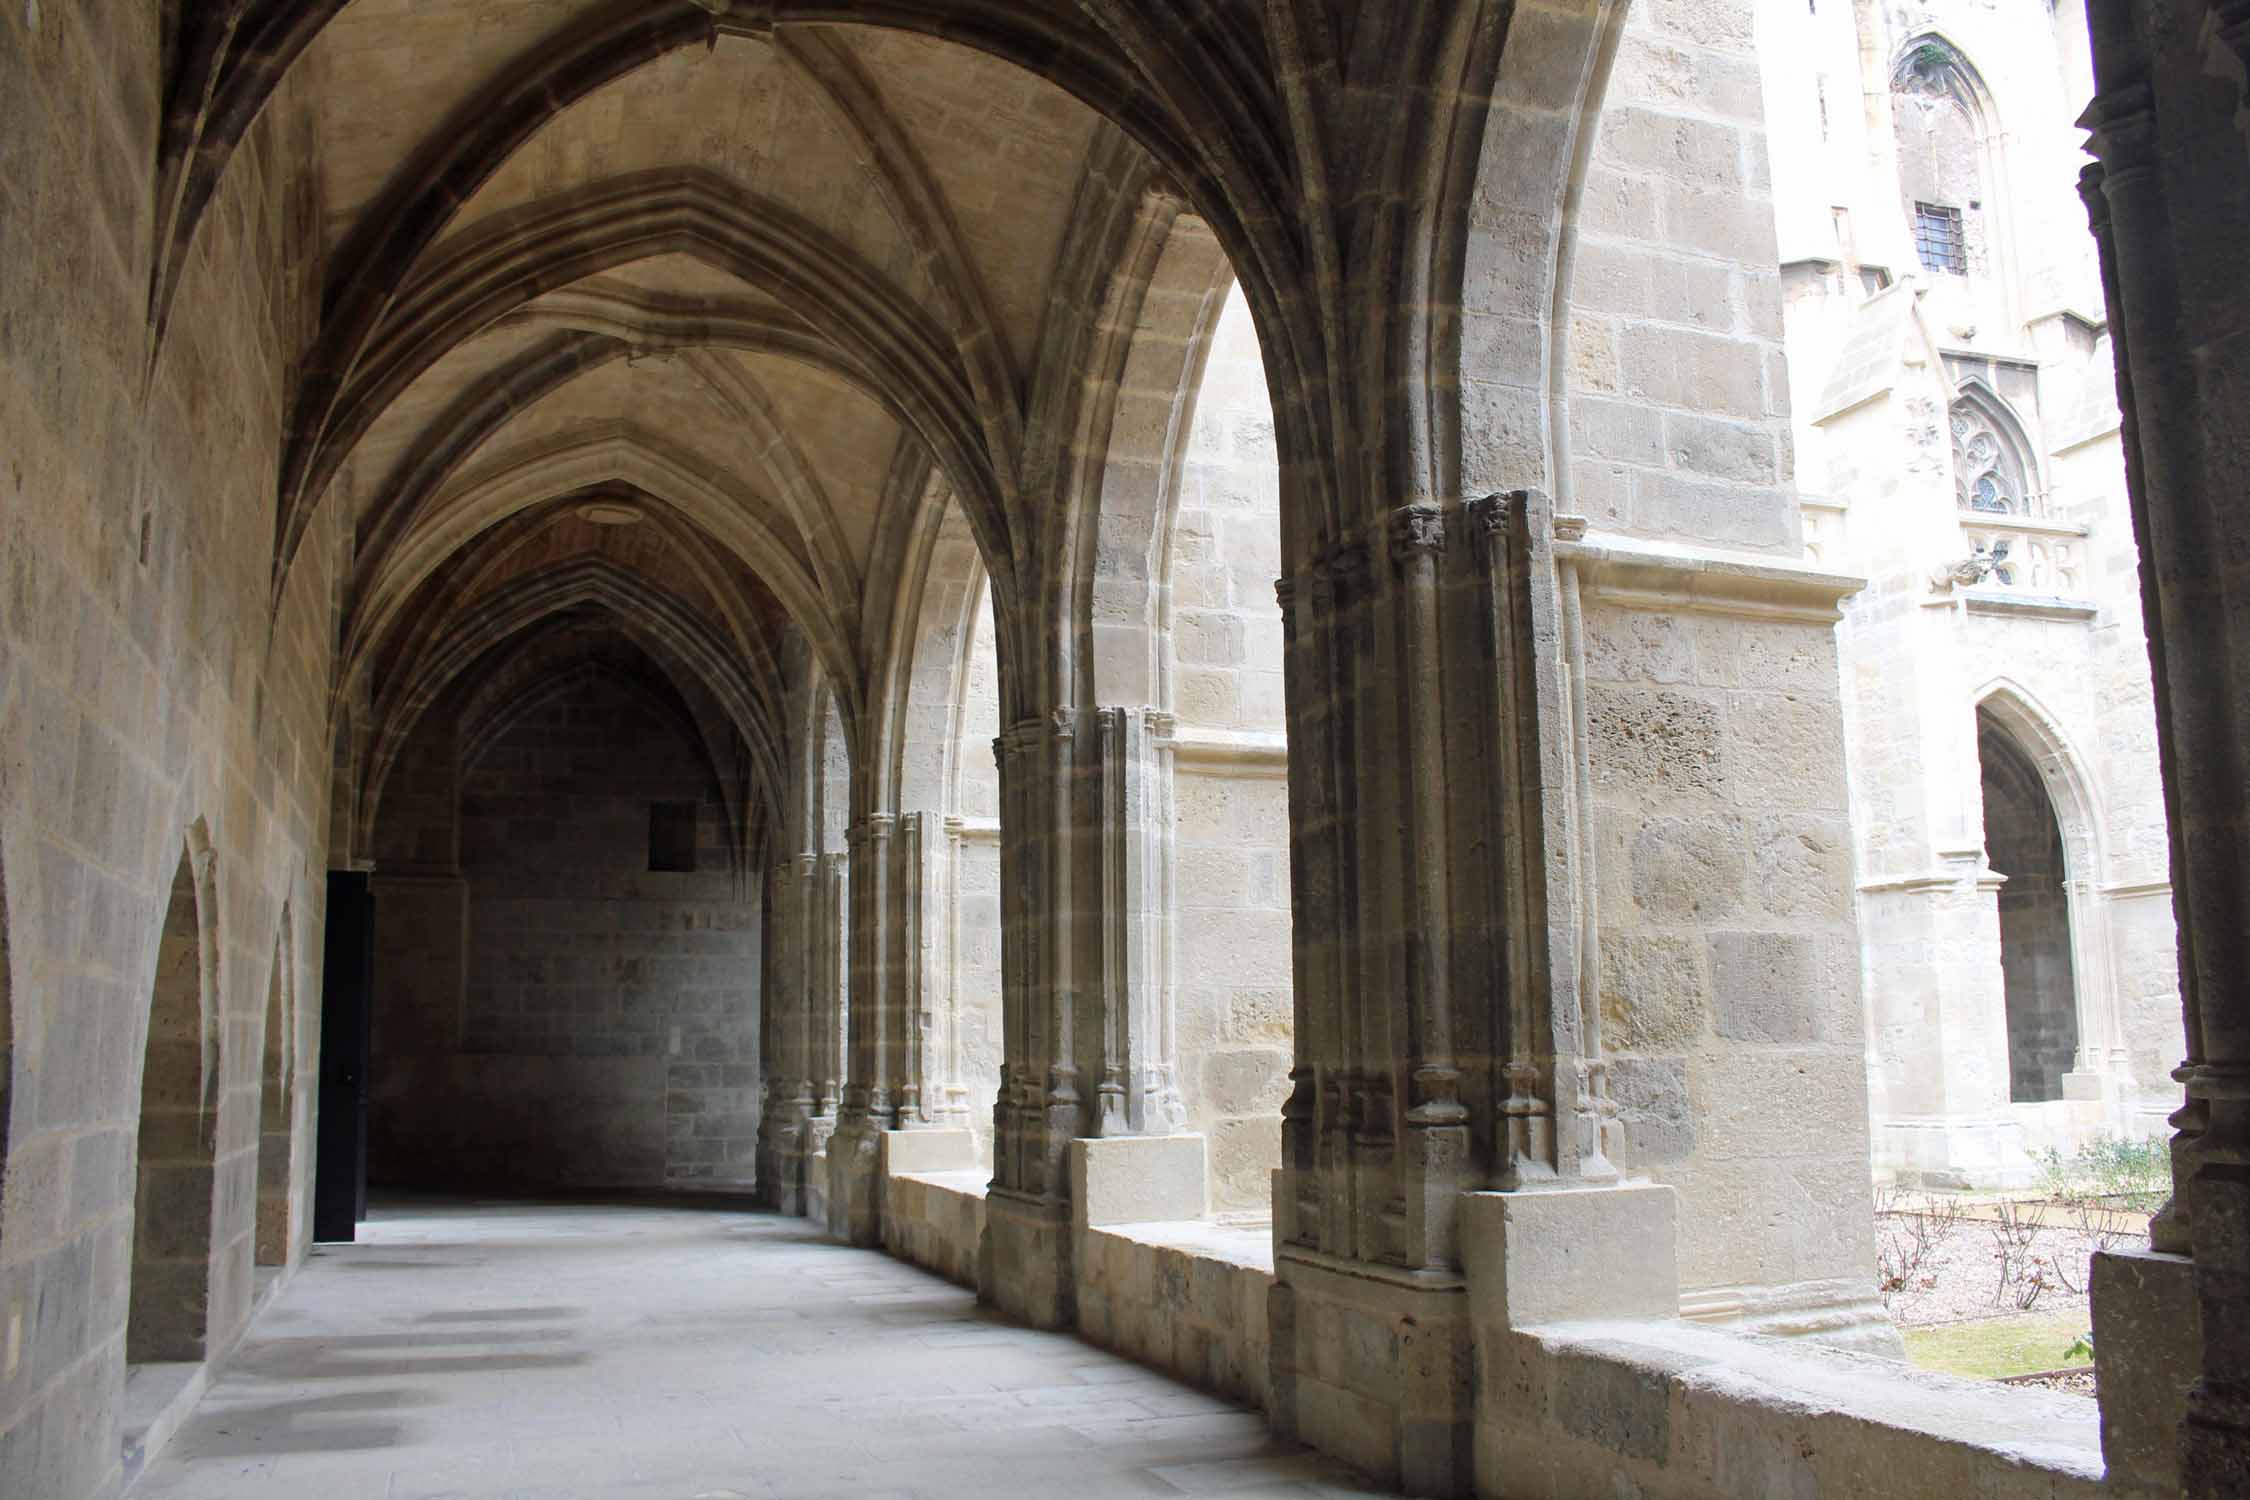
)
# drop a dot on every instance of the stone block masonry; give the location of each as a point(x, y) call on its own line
point(556, 1012)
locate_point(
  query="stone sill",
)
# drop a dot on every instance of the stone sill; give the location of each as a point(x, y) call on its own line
point(966, 1182)
point(2008, 520)
point(1242, 752)
point(1231, 1245)
point(1789, 1388)
point(2027, 606)
point(1671, 576)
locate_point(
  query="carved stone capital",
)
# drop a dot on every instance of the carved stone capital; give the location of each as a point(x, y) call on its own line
point(2120, 128)
point(1490, 513)
point(1345, 565)
point(1019, 738)
point(1416, 531)
point(2091, 180)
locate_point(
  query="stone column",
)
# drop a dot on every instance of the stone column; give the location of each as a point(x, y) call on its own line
point(1139, 1090)
point(1086, 810)
point(900, 1068)
point(787, 1024)
point(1940, 1019)
point(827, 947)
point(874, 1044)
point(2171, 216)
point(1043, 1104)
point(930, 1090)
point(935, 1094)
point(1441, 1043)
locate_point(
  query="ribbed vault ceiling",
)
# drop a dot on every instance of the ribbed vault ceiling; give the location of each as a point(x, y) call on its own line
point(747, 289)
point(798, 275)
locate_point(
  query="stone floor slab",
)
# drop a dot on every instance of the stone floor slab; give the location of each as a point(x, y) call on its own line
point(498, 1351)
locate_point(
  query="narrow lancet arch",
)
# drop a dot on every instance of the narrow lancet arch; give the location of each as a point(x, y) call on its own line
point(2023, 837)
point(169, 1314)
point(277, 1085)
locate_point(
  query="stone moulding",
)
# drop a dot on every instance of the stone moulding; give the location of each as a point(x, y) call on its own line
point(2027, 606)
point(1244, 753)
point(1653, 576)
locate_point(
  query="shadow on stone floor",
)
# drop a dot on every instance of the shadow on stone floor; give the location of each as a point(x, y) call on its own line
point(356, 1263)
point(500, 1315)
point(247, 1430)
point(272, 1351)
point(361, 1356)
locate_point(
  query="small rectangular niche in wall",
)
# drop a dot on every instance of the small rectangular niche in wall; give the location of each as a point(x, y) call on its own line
point(671, 837)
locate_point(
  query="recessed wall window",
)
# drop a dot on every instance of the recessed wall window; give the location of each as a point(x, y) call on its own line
point(1937, 239)
point(671, 837)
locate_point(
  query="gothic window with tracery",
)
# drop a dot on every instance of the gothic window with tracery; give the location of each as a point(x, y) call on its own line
point(1987, 473)
point(1940, 137)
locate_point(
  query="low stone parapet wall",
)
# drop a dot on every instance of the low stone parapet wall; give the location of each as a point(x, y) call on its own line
point(1671, 1411)
point(1187, 1298)
point(1570, 1399)
point(936, 1221)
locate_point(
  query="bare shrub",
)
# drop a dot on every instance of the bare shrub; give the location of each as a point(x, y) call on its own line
point(2026, 1274)
point(2102, 1233)
point(1907, 1241)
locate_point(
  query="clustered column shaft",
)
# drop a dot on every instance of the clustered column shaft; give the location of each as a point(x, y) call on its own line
point(2169, 215)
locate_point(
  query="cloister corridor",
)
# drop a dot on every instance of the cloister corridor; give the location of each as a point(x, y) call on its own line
point(472, 1350)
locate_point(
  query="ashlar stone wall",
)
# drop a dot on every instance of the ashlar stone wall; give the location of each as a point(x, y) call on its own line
point(567, 1015)
point(1724, 943)
point(1727, 958)
point(1678, 398)
point(159, 699)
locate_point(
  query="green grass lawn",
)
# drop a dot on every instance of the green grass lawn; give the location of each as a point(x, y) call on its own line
point(1999, 1346)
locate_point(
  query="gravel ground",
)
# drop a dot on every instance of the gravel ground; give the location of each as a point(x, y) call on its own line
point(1960, 1274)
point(2069, 1383)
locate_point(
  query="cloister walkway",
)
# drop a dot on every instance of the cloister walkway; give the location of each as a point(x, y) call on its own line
point(475, 1351)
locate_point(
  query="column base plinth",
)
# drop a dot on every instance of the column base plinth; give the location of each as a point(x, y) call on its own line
point(1374, 1364)
point(1026, 1270)
point(855, 1183)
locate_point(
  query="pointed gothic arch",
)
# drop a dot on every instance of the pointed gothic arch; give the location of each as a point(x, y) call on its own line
point(278, 1085)
point(1952, 174)
point(1996, 468)
point(169, 1312)
point(2042, 831)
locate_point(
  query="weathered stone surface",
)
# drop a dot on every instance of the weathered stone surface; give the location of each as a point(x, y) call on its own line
point(1765, 987)
point(1656, 995)
point(1655, 1111)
